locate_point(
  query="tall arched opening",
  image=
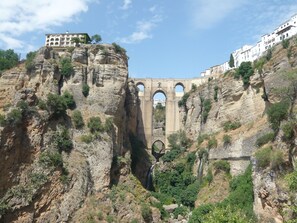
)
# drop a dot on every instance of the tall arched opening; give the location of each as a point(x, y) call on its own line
point(159, 116)
point(179, 90)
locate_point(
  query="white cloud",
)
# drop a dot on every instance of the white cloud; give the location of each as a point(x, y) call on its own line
point(126, 4)
point(143, 30)
point(206, 13)
point(21, 17)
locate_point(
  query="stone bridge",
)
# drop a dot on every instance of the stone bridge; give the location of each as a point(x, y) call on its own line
point(145, 116)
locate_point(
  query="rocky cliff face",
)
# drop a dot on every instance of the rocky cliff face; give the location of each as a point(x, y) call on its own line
point(245, 107)
point(40, 183)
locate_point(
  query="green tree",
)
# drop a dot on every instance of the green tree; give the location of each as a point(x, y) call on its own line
point(66, 67)
point(276, 113)
point(95, 125)
point(96, 38)
point(30, 65)
point(76, 40)
point(245, 71)
point(231, 60)
point(8, 59)
point(77, 119)
point(56, 104)
point(62, 140)
point(85, 89)
point(69, 100)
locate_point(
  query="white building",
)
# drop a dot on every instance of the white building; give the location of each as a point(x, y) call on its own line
point(65, 39)
point(251, 53)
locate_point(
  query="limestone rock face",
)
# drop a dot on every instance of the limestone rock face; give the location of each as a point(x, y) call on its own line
point(32, 189)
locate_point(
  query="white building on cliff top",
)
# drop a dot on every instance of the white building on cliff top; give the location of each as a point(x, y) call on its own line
point(251, 53)
point(65, 39)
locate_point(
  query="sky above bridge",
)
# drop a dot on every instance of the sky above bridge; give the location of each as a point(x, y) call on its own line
point(163, 38)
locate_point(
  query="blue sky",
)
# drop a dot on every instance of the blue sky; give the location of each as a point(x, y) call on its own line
point(163, 38)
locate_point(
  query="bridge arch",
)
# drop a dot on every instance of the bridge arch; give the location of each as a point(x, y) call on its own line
point(145, 110)
point(158, 149)
point(141, 87)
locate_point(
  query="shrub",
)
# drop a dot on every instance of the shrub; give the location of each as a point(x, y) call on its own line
point(38, 178)
point(201, 138)
point(2, 120)
point(42, 104)
point(68, 98)
point(206, 109)
point(66, 67)
point(183, 101)
point(181, 210)
point(229, 125)
point(285, 43)
point(212, 142)
point(86, 138)
point(85, 89)
point(227, 139)
point(56, 104)
point(291, 180)
point(288, 130)
point(108, 126)
point(199, 213)
point(146, 213)
point(30, 65)
point(258, 64)
point(189, 195)
point(265, 139)
point(263, 156)
point(14, 117)
point(215, 97)
point(276, 113)
point(8, 59)
point(95, 125)
point(23, 105)
point(77, 119)
point(276, 158)
point(193, 87)
point(209, 176)
point(222, 165)
point(268, 55)
point(245, 70)
point(51, 159)
point(118, 49)
point(62, 140)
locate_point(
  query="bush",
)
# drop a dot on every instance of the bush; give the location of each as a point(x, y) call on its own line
point(268, 55)
point(2, 120)
point(108, 126)
point(263, 156)
point(258, 64)
point(229, 125)
point(66, 67)
point(62, 140)
point(118, 49)
point(245, 70)
point(193, 87)
point(14, 117)
point(285, 43)
point(227, 139)
point(288, 130)
point(181, 210)
point(215, 97)
point(51, 159)
point(276, 113)
point(291, 180)
point(189, 195)
point(85, 89)
point(222, 165)
point(30, 65)
point(201, 138)
point(265, 139)
point(183, 101)
point(42, 104)
point(206, 106)
point(276, 159)
point(23, 106)
point(146, 213)
point(86, 138)
point(68, 98)
point(199, 213)
point(95, 125)
point(212, 142)
point(56, 104)
point(8, 59)
point(77, 119)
